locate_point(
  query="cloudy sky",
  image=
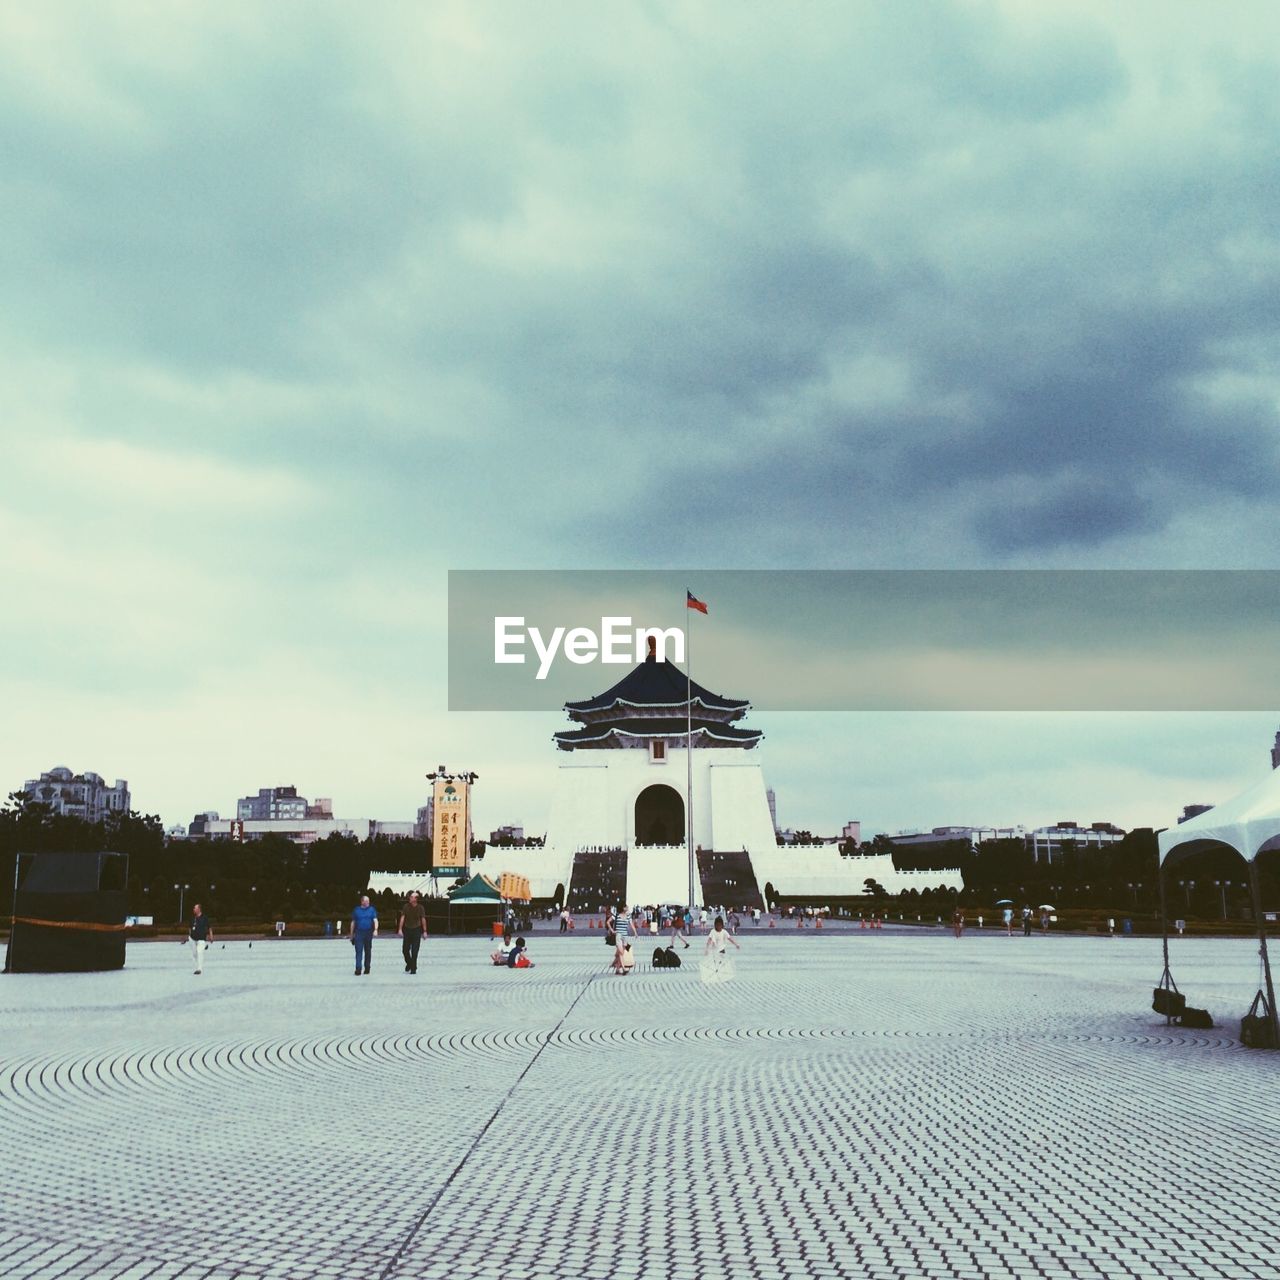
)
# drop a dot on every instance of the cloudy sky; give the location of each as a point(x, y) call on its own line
point(304, 305)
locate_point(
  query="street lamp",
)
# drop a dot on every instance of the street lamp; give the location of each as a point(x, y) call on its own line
point(181, 891)
point(1222, 886)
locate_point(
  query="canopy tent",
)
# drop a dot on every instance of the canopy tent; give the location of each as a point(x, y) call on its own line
point(1248, 824)
point(478, 889)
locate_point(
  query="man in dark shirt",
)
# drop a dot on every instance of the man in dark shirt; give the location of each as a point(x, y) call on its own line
point(413, 924)
point(200, 935)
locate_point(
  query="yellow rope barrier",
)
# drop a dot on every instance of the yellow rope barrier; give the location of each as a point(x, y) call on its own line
point(71, 924)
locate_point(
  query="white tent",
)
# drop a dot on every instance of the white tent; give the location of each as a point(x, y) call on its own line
point(1248, 824)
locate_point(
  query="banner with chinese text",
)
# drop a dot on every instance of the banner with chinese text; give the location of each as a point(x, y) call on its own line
point(450, 828)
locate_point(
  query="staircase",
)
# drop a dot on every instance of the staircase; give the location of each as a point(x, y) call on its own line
point(598, 879)
point(729, 880)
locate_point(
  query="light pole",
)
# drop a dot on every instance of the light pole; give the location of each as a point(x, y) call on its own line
point(181, 891)
point(1187, 886)
point(1222, 886)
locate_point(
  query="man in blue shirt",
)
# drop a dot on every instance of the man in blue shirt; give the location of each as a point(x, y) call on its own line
point(364, 928)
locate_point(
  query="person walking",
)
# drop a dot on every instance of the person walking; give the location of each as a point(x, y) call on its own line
point(564, 919)
point(957, 921)
point(200, 935)
point(716, 964)
point(621, 924)
point(364, 928)
point(677, 929)
point(411, 927)
point(1026, 921)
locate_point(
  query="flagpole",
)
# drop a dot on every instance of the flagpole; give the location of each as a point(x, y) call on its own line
point(688, 752)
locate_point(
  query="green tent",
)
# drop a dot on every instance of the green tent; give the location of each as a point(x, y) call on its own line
point(479, 889)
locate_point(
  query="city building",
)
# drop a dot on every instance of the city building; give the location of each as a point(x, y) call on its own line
point(1190, 811)
point(852, 831)
point(303, 830)
point(945, 835)
point(422, 828)
point(772, 798)
point(198, 826)
point(79, 795)
point(273, 802)
point(1050, 844)
point(507, 835)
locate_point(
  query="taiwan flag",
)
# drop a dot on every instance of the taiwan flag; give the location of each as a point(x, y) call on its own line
point(692, 602)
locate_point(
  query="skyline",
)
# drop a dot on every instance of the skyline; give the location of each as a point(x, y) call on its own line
point(978, 777)
point(303, 308)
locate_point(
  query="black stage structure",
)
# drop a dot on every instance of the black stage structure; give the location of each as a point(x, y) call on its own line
point(68, 912)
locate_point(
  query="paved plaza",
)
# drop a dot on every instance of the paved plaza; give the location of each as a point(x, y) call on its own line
point(851, 1104)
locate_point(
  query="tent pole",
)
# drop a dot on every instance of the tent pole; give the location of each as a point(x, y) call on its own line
point(1164, 918)
point(13, 916)
point(1166, 978)
point(1256, 893)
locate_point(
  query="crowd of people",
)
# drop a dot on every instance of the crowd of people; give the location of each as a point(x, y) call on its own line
point(1028, 918)
point(622, 926)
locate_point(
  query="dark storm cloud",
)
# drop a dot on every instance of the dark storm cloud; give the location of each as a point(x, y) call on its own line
point(958, 277)
point(1079, 513)
point(301, 304)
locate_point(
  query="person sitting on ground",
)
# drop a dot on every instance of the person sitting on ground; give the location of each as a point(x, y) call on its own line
point(504, 948)
point(519, 956)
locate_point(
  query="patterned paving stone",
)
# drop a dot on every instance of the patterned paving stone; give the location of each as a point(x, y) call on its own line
point(896, 1105)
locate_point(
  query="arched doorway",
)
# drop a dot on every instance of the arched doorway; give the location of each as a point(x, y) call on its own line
point(659, 815)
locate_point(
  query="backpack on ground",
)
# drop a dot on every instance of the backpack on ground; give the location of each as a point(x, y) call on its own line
point(665, 958)
point(1168, 1001)
point(1255, 1026)
point(1196, 1019)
